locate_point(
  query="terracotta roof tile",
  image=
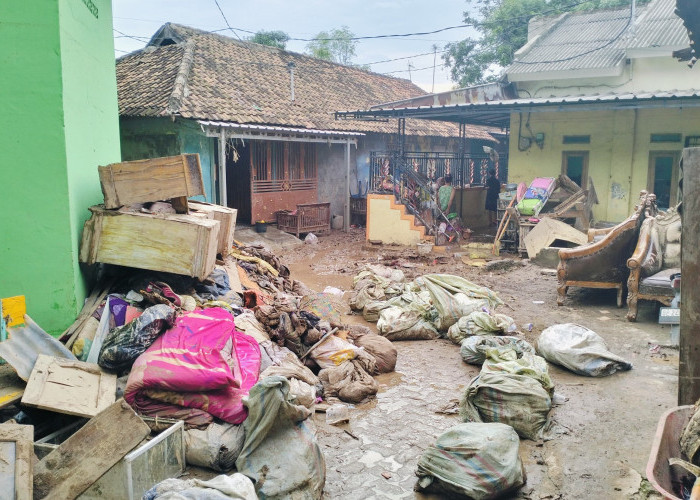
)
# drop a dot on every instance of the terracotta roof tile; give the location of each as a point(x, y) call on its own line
point(242, 82)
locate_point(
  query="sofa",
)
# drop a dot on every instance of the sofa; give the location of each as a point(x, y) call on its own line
point(656, 258)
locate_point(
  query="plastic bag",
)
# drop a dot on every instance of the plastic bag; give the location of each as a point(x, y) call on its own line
point(480, 323)
point(516, 400)
point(454, 297)
point(333, 351)
point(216, 447)
point(473, 349)
point(475, 460)
point(124, 344)
point(280, 453)
point(223, 487)
point(580, 350)
point(311, 239)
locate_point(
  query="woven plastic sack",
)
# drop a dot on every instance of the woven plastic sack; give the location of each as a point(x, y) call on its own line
point(223, 487)
point(473, 349)
point(506, 360)
point(124, 344)
point(280, 453)
point(381, 348)
point(350, 382)
point(405, 323)
point(475, 460)
point(480, 323)
point(580, 350)
point(454, 297)
point(372, 309)
point(216, 447)
point(515, 400)
point(326, 306)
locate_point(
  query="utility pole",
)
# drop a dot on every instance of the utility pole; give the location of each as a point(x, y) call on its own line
point(435, 47)
point(410, 67)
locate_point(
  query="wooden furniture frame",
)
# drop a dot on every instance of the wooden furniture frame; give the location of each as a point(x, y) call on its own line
point(22, 436)
point(616, 244)
point(636, 262)
point(308, 218)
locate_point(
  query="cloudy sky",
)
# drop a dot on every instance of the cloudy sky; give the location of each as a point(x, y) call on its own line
point(136, 20)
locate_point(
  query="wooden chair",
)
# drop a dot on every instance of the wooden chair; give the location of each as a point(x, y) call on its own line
point(655, 259)
point(307, 218)
point(602, 263)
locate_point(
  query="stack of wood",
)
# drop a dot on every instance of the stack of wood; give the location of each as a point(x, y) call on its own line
point(135, 228)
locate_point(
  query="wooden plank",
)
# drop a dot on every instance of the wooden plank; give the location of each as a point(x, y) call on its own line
point(85, 456)
point(547, 231)
point(181, 244)
point(71, 387)
point(16, 461)
point(151, 180)
point(226, 217)
point(689, 357)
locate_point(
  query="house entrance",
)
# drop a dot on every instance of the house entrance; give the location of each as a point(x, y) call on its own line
point(663, 177)
point(238, 178)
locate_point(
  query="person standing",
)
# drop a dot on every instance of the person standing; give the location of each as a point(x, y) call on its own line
point(493, 187)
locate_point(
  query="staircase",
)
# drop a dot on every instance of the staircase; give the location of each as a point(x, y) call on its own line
point(391, 223)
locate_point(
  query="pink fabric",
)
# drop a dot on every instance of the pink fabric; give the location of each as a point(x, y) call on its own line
point(542, 183)
point(199, 369)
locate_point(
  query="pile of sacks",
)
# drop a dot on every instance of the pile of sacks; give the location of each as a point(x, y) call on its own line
point(242, 366)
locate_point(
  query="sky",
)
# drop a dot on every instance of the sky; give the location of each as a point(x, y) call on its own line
point(135, 21)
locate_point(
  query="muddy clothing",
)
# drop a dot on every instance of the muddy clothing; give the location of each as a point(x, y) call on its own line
point(493, 187)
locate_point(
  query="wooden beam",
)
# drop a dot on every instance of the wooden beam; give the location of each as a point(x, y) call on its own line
point(16, 441)
point(689, 358)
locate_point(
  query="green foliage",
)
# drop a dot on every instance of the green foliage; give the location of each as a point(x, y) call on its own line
point(336, 45)
point(502, 27)
point(276, 39)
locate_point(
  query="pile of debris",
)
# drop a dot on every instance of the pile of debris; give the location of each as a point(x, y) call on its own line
point(192, 349)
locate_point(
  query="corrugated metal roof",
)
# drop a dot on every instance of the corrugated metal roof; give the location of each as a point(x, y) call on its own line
point(281, 130)
point(600, 39)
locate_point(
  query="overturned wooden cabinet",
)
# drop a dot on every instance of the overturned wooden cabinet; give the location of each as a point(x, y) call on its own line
point(181, 244)
point(226, 217)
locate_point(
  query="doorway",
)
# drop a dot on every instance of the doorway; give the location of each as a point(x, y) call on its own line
point(238, 178)
point(574, 164)
point(663, 178)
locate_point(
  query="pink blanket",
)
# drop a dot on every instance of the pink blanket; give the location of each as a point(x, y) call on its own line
point(199, 369)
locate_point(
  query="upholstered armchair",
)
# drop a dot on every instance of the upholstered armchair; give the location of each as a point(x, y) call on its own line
point(602, 262)
point(656, 258)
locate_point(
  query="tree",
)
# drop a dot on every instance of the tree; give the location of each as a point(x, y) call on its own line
point(502, 27)
point(337, 46)
point(276, 39)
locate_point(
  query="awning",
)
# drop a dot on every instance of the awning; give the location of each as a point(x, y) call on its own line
point(497, 113)
point(274, 133)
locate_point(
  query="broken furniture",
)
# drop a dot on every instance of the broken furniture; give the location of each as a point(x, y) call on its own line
point(181, 244)
point(227, 220)
point(578, 205)
point(536, 196)
point(547, 231)
point(655, 259)
point(167, 178)
point(16, 461)
point(84, 457)
point(307, 218)
point(70, 387)
point(602, 263)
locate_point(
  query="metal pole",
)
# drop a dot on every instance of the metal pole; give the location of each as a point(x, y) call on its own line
point(222, 168)
point(346, 218)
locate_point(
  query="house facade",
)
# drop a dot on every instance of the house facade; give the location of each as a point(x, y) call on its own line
point(609, 57)
point(262, 120)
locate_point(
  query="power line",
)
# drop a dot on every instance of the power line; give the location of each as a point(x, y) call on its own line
point(407, 57)
point(234, 32)
point(133, 37)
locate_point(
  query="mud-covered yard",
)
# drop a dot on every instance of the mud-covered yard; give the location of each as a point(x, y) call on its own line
point(605, 426)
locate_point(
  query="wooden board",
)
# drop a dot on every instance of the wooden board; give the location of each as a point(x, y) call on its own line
point(547, 231)
point(16, 461)
point(71, 387)
point(181, 244)
point(226, 217)
point(151, 180)
point(85, 456)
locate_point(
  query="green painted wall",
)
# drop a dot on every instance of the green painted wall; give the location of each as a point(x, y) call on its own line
point(59, 121)
point(153, 137)
point(619, 150)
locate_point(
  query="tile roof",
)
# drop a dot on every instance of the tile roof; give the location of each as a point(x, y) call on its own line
point(599, 39)
point(207, 76)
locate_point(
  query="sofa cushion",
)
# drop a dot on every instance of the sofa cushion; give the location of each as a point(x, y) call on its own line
point(659, 283)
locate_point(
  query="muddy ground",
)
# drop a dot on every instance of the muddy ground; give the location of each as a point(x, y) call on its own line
point(607, 424)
